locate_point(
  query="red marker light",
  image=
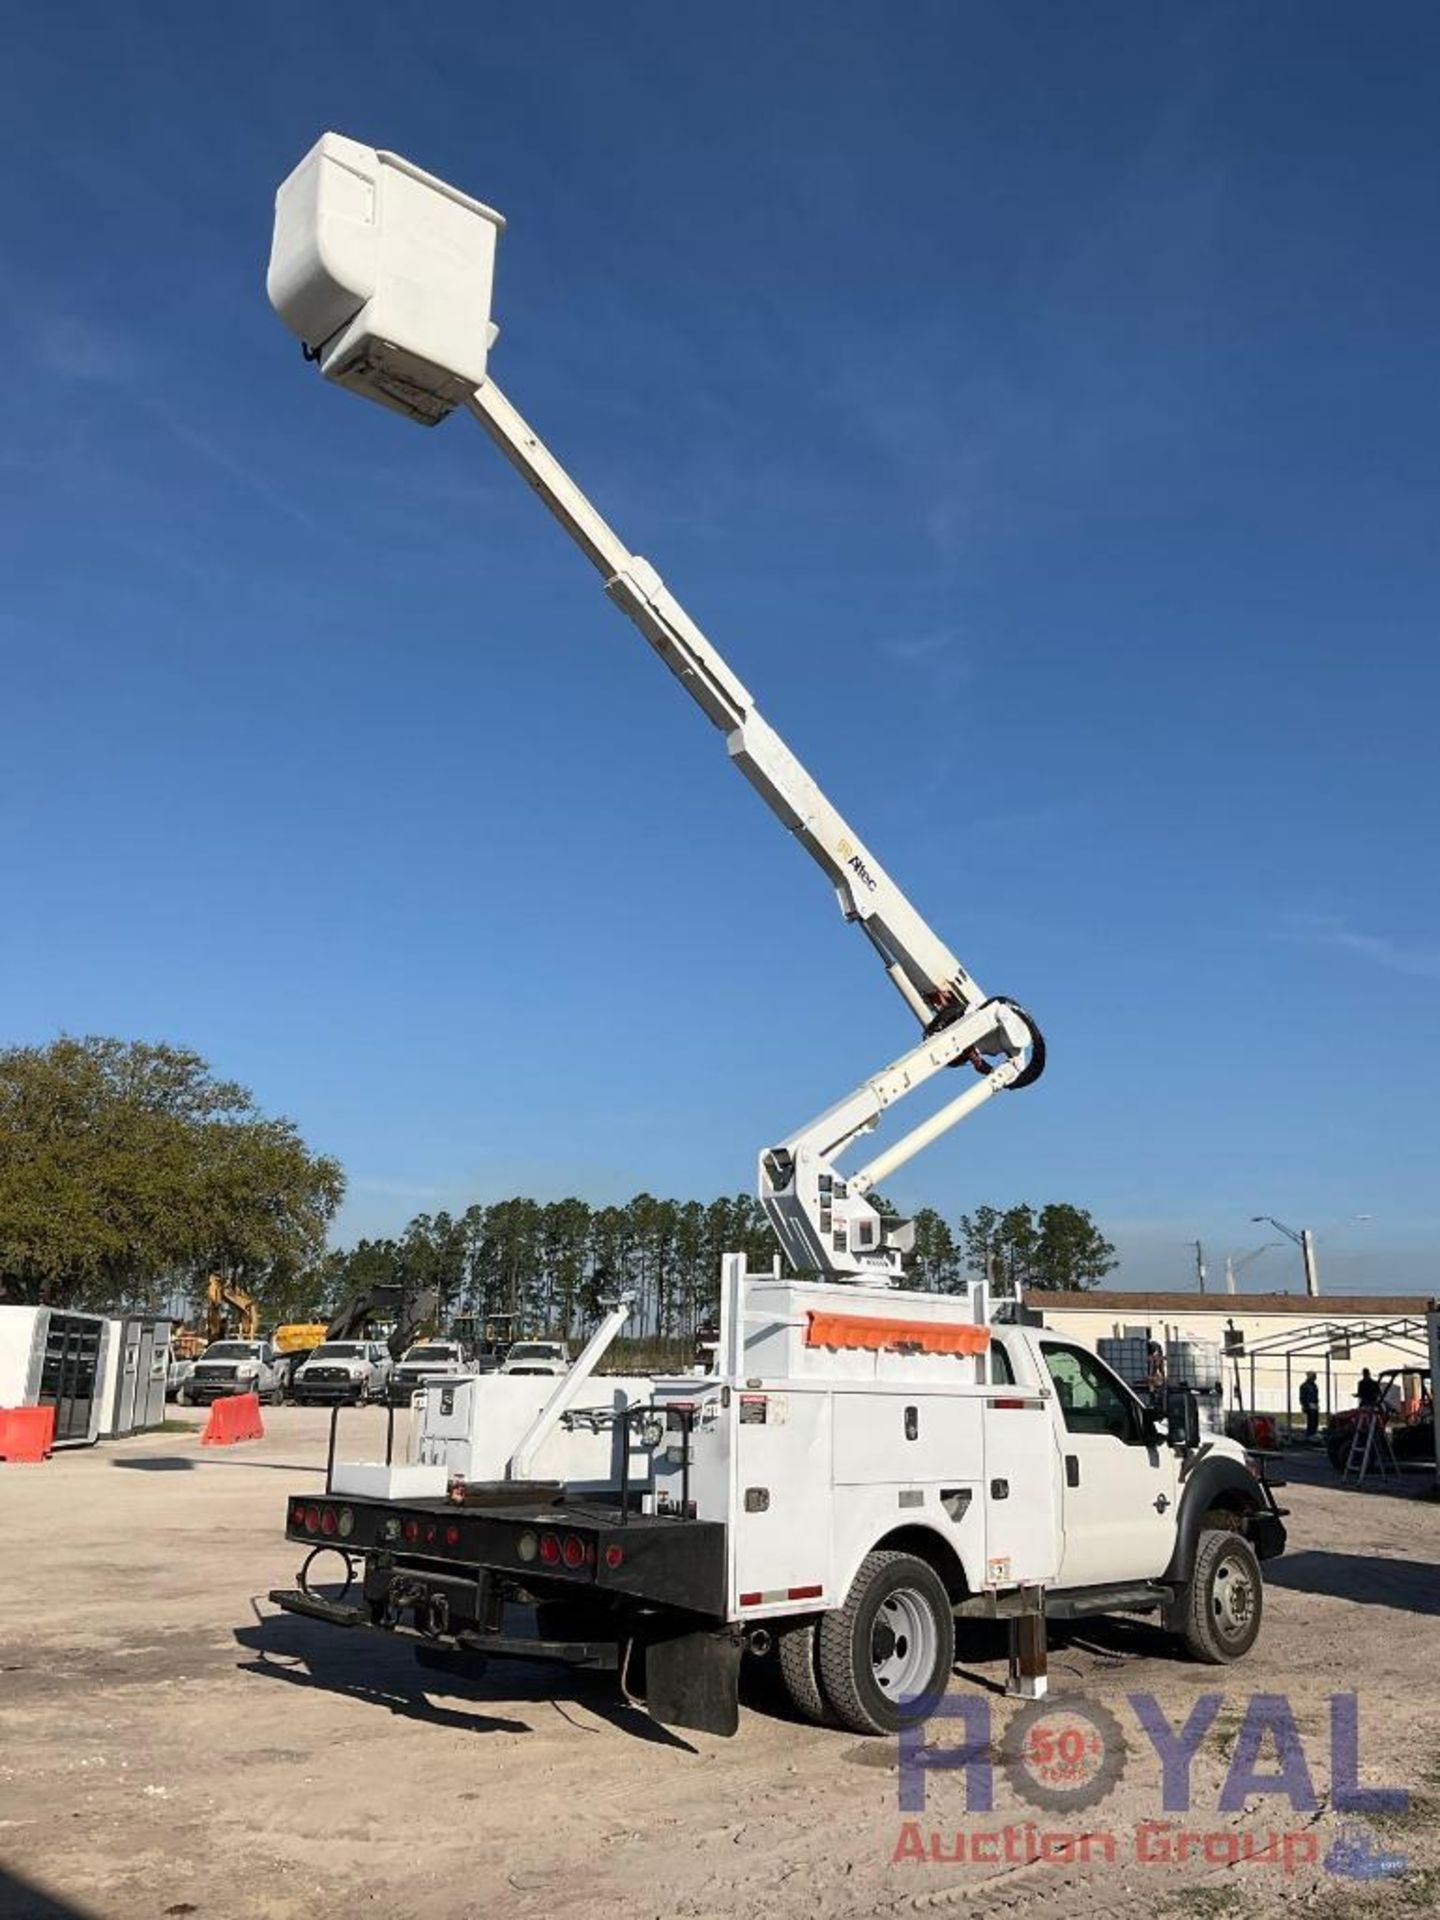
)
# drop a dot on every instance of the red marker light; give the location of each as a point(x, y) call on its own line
point(452, 1536)
point(312, 1519)
point(549, 1550)
point(614, 1557)
point(574, 1550)
point(411, 1530)
point(327, 1520)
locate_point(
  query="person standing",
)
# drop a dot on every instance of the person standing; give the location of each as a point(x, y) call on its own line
point(1310, 1404)
point(1155, 1375)
point(1368, 1390)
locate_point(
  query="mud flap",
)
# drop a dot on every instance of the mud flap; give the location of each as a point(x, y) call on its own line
point(693, 1681)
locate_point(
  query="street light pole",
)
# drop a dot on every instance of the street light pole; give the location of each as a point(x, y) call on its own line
point(1304, 1239)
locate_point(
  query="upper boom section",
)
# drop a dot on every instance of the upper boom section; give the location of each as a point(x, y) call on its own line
point(385, 273)
point(923, 968)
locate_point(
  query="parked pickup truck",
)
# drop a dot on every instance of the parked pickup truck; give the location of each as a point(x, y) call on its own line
point(537, 1356)
point(342, 1372)
point(430, 1360)
point(228, 1367)
point(863, 1474)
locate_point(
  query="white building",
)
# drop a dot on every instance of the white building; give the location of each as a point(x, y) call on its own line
point(1271, 1340)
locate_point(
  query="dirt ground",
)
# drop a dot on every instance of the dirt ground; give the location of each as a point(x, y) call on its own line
point(170, 1744)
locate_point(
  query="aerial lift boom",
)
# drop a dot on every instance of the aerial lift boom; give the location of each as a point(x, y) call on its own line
point(389, 290)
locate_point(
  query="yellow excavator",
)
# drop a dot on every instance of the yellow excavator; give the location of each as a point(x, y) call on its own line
point(240, 1322)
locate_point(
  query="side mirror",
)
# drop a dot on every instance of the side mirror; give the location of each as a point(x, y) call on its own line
point(1182, 1419)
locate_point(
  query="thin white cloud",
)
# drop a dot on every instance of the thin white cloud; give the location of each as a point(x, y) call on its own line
point(1327, 931)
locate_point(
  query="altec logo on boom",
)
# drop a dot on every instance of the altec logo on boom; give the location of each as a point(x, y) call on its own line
point(1065, 1755)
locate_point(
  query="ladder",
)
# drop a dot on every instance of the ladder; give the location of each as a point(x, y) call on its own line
point(1370, 1449)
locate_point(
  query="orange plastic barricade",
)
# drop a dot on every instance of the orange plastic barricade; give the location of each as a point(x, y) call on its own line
point(874, 1335)
point(236, 1417)
point(26, 1433)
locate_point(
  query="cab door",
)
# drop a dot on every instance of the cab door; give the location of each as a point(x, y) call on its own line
point(1118, 1488)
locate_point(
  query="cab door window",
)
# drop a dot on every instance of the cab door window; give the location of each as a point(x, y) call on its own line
point(1091, 1400)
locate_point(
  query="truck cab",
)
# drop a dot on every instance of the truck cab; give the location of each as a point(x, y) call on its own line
point(537, 1356)
point(342, 1372)
point(230, 1367)
point(426, 1361)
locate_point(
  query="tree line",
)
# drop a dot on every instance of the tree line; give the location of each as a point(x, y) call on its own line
point(550, 1264)
point(129, 1173)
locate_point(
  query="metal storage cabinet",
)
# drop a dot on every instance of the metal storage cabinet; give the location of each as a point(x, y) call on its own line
point(51, 1358)
point(132, 1396)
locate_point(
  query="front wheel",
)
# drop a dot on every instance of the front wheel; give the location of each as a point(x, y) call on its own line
point(1218, 1614)
point(885, 1656)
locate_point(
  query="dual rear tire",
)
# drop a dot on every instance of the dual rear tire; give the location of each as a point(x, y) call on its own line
point(881, 1661)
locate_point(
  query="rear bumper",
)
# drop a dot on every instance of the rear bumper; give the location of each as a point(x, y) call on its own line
point(597, 1655)
point(518, 1542)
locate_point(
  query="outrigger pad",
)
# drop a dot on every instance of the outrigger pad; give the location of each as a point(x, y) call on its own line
point(693, 1681)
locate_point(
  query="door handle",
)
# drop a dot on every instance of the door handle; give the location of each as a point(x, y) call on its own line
point(1072, 1469)
point(1162, 1501)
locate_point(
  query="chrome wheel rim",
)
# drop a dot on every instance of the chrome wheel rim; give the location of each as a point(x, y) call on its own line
point(903, 1645)
point(1232, 1598)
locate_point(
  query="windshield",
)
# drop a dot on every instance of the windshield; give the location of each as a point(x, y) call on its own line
point(534, 1350)
point(230, 1350)
point(432, 1353)
point(340, 1350)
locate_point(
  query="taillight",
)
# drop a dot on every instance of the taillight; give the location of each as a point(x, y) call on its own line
point(312, 1519)
point(297, 1514)
point(549, 1550)
point(573, 1551)
point(327, 1521)
point(411, 1531)
point(614, 1557)
point(452, 1536)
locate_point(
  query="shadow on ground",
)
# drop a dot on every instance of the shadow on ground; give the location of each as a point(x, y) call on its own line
point(23, 1900)
point(1410, 1586)
point(384, 1672)
point(181, 1463)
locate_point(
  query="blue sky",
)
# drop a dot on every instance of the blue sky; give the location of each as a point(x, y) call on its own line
point(1037, 404)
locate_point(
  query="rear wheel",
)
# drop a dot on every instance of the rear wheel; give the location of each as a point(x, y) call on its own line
point(1219, 1612)
point(885, 1656)
point(796, 1643)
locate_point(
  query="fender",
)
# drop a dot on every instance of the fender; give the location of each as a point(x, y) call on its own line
point(958, 1561)
point(1212, 1479)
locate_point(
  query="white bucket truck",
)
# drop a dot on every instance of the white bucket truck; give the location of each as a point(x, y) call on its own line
point(866, 1465)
